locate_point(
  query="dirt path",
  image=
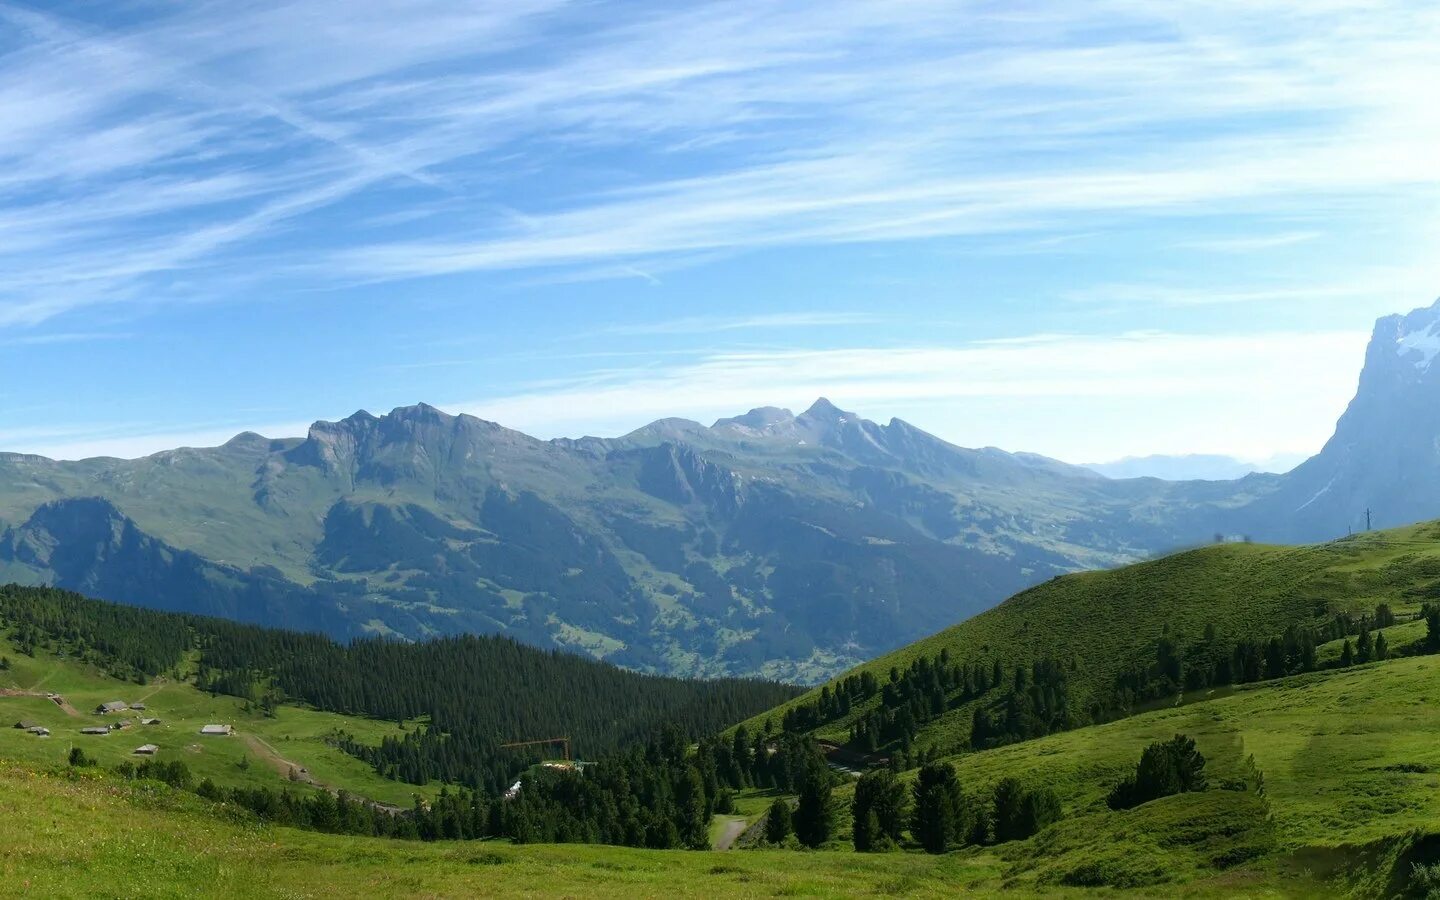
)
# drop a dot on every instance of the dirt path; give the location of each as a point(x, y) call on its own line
point(734, 827)
point(155, 686)
point(271, 757)
point(59, 701)
point(268, 754)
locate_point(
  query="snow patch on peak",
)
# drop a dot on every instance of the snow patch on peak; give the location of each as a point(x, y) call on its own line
point(1420, 347)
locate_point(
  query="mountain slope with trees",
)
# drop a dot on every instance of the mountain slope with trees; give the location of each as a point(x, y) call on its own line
point(793, 546)
point(465, 695)
point(1095, 646)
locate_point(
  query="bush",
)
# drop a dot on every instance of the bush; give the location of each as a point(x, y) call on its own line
point(1021, 812)
point(1165, 768)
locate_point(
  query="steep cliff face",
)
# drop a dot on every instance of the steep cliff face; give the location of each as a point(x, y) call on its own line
point(1385, 454)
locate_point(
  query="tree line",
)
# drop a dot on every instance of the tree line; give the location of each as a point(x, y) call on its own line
point(459, 697)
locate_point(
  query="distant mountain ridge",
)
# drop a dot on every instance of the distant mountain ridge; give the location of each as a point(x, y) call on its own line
point(1192, 467)
point(767, 543)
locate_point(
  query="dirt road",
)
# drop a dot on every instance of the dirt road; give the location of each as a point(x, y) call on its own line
point(59, 701)
point(734, 827)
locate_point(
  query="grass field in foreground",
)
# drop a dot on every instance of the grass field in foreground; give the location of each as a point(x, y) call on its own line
point(89, 837)
point(1350, 769)
point(259, 754)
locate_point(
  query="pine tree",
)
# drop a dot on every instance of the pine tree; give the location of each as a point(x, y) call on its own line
point(1431, 611)
point(938, 820)
point(814, 818)
point(1008, 813)
point(777, 822)
point(1382, 647)
point(1364, 647)
point(879, 811)
point(1347, 654)
point(693, 820)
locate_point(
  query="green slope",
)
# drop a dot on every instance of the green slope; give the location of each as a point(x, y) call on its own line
point(1105, 621)
point(1351, 771)
point(259, 754)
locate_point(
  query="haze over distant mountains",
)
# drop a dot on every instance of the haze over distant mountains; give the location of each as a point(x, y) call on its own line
point(788, 545)
point(1193, 466)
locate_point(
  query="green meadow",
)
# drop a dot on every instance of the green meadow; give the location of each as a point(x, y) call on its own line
point(260, 753)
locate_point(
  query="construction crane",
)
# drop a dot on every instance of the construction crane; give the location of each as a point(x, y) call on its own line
point(564, 743)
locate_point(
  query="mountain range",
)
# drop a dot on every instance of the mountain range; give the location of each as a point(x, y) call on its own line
point(791, 546)
point(1192, 466)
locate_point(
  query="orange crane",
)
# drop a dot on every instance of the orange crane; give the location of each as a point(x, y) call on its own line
point(564, 743)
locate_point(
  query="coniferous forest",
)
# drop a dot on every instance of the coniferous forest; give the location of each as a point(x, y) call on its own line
point(467, 695)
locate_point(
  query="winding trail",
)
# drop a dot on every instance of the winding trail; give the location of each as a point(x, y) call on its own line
point(59, 701)
point(734, 827)
point(262, 749)
point(271, 757)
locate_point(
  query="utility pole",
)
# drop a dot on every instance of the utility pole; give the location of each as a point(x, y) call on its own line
point(1367, 518)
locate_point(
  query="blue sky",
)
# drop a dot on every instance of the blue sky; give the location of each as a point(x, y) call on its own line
point(1088, 230)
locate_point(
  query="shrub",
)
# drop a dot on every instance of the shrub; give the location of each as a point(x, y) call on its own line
point(1165, 768)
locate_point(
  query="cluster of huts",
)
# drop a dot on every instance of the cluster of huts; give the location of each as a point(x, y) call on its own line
point(120, 706)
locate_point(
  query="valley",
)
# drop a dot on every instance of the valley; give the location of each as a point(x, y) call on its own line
point(772, 544)
point(1322, 775)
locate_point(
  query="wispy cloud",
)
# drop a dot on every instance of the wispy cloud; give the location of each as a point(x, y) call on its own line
point(542, 135)
point(771, 321)
point(1250, 244)
point(64, 337)
point(1073, 396)
point(1076, 397)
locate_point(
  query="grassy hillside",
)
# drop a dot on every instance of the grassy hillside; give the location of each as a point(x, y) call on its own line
point(1351, 771)
point(1105, 621)
point(1349, 760)
point(260, 753)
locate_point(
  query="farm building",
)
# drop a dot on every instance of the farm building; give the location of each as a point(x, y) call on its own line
point(96, 729)
point(151, 721)
point(146, 750)
point(216, 729)
point(26, 724)
point(138, 706)
point(123, 723)
point(112, 706)
point(39, 731)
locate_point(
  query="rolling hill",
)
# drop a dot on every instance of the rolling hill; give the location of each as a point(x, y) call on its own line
point(793, 546)
point(376, 717)
point(1104, 623)
point(1321, 784)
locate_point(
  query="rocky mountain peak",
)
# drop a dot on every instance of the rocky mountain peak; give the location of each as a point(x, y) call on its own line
point(1415, 337)
point(761, 420)
point(825, 411)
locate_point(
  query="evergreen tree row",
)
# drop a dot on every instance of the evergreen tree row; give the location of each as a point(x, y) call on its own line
point(469, 693)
